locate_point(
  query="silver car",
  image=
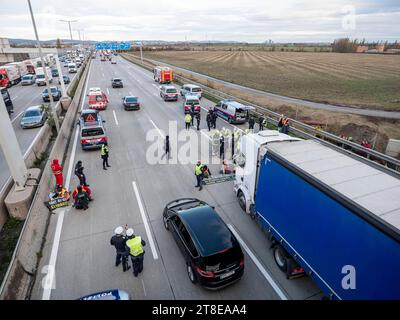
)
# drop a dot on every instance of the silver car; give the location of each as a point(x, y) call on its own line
point(33, 117)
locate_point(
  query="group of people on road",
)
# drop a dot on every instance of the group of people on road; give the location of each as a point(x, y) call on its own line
point(211, 119)
point(283, 124)
point(128, 245)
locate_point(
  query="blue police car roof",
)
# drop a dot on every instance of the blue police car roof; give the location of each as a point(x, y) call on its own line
point(207, 229)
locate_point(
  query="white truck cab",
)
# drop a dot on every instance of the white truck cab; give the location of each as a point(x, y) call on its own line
point(252, 148)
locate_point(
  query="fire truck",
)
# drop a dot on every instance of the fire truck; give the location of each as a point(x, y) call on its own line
point(162, 74)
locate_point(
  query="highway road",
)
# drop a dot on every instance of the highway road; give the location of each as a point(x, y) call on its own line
point(310, 104)
point(24, 97)
point(134, 191)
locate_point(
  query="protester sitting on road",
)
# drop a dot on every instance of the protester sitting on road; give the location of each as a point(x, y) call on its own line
point(205, 171)
point(81, 199)
point(84, 189)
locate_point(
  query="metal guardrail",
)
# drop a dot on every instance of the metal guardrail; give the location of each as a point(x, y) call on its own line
point(301, 129)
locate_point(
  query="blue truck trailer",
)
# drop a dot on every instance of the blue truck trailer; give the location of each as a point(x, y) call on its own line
point(330, 215)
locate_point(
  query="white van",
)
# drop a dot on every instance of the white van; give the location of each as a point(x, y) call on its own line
point(231, 111)
point(191, 89)
point(41, 78)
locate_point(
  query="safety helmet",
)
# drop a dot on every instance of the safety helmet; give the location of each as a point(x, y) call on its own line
point(118, 230)
point(129, 232)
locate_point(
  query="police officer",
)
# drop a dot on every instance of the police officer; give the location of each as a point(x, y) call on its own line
point(209, 121)
point(118, 240)
point(222, 148)
point(192, 115)
point(166, 148)
point(214, 120)
point(261, 123)
point(80, 174)
point(251, 123)
point(104, 155)
point(188, 120)
point(135, 246)
point(199, 174)
point(198, 121)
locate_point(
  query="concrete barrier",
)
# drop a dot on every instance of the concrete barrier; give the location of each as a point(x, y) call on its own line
point(23, 267)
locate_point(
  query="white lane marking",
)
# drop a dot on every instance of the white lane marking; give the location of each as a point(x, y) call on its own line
point(155, 86)
point(130, 93)
point(56, 243)
point(158, 129)
point(108, 91)
point(146, 224)
point(144, 288)
point(103, 74)
point(206, 135)
point(17, 116)
point(115, 118)
point(260, 267)
point(57, 236)
point(15, 98)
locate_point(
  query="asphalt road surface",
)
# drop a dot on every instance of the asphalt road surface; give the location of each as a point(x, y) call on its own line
point(300, 102)
point(24, 97)
point(134, 191)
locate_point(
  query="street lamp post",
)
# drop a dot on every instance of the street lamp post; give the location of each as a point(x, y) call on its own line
point(44, 70)
point(69, 24)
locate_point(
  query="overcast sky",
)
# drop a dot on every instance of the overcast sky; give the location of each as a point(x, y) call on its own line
point(240, 20)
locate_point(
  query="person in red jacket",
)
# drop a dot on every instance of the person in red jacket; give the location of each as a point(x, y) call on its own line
point(57, 171)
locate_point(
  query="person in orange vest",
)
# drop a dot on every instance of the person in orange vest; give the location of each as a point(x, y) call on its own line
point(84, 189)
point(57, 171)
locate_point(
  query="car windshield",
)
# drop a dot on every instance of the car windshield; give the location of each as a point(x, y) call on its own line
point(117, 79)
point(91, 132)
point(171, 90)
point(192, 102)
point(131, 99)
point(26, 77)
point(196, 90)
point(32, 113)
point(40, 76)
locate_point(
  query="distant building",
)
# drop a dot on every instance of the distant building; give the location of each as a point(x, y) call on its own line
point(380, 48)
point(362, 49)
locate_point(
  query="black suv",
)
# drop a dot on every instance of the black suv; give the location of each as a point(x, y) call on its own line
point(117, 83)
point(212, 253)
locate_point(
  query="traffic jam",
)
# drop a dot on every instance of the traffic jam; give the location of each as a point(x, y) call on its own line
point(16, 76)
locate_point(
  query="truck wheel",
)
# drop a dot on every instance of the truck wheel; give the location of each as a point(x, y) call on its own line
point(191, 274)
point(242, 200)
point(281, 258)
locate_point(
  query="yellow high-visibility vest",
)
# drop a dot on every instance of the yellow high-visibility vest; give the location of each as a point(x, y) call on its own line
point(135, 246)
point(197, 170)
point(104, 150)
point(188, 118)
